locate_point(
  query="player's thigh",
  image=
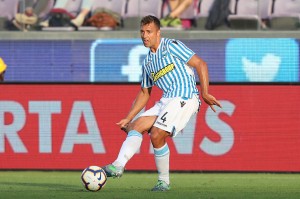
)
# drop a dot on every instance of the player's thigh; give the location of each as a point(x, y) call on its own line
point(142, 124)
point(175, 115)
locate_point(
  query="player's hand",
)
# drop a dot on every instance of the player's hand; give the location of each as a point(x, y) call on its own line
point(211, 101)
point(123, 124)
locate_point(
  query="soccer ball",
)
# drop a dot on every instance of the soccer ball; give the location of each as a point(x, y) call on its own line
point(93, 178)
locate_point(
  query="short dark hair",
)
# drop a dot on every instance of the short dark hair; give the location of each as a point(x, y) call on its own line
point(150, 19)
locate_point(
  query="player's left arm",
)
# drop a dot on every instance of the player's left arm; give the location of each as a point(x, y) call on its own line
point(202, 71)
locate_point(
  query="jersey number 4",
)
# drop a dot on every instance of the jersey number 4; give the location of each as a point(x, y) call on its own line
point(163, 117)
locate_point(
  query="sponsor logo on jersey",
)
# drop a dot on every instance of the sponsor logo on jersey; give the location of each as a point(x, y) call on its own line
point(162, 72)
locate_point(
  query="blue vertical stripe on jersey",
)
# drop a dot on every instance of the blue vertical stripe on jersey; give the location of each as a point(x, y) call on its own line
point(169, 79)
point(181, 51)
point(181, 59)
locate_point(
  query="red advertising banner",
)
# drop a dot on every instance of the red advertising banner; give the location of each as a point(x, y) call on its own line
point(71, 126)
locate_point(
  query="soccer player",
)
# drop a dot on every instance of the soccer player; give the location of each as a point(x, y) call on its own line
point(2, 69)
point(168, 65)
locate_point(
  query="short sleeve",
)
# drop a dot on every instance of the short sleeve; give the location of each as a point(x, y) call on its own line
point(180, 50)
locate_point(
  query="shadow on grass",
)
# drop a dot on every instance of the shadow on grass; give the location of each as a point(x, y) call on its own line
point(48, 186)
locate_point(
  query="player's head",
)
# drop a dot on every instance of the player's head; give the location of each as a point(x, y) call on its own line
point(2, 69)
point(150, 19)
point(150, 32)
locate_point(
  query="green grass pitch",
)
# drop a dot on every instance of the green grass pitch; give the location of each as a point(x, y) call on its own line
point(67, 184)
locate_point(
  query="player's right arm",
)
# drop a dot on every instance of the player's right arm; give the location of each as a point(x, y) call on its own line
point(140, 102)
point(202, 71)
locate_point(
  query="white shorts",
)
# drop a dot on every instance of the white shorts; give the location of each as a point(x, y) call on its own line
point(173, 113)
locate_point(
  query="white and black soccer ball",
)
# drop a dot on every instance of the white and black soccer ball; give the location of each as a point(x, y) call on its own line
point(93, 178)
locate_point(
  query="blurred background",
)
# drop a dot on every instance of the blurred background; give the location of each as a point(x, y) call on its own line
point(71, 62)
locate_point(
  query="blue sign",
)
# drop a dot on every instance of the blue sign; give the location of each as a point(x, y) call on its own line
point(117, 60)
point(262, 60)
point(120, 60)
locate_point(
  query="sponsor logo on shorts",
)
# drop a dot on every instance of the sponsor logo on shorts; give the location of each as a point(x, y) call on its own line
point(182, 103)
point(162, 124)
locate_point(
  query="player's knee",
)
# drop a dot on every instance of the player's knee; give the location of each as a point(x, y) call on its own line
point(141, 125)
point(134, 126)
point(156, 137)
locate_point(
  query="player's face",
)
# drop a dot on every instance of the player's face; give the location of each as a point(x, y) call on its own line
point(150, 35)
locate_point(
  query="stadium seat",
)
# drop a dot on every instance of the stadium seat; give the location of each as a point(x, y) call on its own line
point(40, 9)
point(43, 7)
point(8, 9)
point(113, 5)
point(72, 7)
point(134, 10)
point(246, 15)
point(203, 12)
point(264, 9)
point(284, 14)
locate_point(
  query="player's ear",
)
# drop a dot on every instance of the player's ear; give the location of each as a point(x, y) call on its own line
point(158, 32)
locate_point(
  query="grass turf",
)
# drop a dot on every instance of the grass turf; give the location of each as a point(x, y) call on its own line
point(67, 184)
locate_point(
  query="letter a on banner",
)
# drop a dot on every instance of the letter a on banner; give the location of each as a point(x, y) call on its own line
point(92, 137)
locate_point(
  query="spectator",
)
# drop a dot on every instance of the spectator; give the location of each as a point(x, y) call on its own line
point(2, 69)
point(24, 20)
point(218, 15)
point(86, 7)
point(78, 10)
point(177, 7)
point(30, 12)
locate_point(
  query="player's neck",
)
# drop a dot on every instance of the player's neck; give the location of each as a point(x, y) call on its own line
point(156, 46)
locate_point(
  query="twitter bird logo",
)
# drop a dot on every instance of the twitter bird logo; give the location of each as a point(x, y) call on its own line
point(262, 60)
point(264, 71)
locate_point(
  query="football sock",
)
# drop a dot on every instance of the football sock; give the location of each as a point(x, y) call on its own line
point(129, 147)
point(162, 156)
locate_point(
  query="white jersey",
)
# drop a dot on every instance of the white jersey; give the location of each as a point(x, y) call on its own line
point(168, 70)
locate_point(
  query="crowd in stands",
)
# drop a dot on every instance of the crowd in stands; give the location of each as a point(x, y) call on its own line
point(29, 15)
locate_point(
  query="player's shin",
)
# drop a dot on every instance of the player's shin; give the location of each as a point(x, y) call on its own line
point(130, 146)
point(162, 156)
